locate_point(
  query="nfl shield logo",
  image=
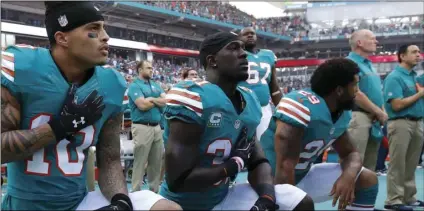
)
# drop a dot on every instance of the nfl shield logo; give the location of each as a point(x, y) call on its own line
point(237, 124)
point(63, 21)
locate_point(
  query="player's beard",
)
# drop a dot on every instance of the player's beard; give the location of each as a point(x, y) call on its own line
point(347, 104)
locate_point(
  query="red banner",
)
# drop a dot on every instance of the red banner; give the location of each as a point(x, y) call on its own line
point(316, 62)
point(172, 51)
point(280, 63)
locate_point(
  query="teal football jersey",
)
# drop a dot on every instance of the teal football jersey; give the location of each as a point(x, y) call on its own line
point(207, 105)
point(305, 109)
point(55, 176)
point(260, 70)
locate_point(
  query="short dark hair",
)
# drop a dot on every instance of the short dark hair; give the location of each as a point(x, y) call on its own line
point(185, 71)
point(140, 64)
point(403, 49)
point(333, 73)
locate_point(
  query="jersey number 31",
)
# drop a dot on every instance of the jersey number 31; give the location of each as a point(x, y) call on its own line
point(39, 165)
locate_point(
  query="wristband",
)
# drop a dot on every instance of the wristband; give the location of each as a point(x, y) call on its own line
point(231, 168)
point(239, 162)
point(266, 191)
point(122, 198)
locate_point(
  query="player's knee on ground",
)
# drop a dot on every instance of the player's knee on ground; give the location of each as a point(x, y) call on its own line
point(165, 204)
point(366, 190)
point(366, 179)
point(306, 204)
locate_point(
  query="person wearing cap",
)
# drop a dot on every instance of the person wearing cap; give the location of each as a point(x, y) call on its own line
point(56, 104)
point(211, 138)
point(404, 102)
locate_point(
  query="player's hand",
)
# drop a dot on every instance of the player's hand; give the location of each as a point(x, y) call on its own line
point(343, 191)
point(75, 117)
point(420, 89)
point(382, 117)
point(119, 202)
point(264, 203)
point(243, 147)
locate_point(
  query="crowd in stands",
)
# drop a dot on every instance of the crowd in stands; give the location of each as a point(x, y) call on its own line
point(290, 26)
point(295, 26)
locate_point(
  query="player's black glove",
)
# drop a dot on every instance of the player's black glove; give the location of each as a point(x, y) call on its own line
point(75, 117)
point(242, 149)
point(264, 203)
point(119, 202)
point(243, 146)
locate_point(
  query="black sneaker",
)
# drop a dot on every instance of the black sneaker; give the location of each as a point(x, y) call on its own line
point(398, 207)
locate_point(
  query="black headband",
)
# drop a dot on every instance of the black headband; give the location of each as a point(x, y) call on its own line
point(66, 16)
point(214, 43)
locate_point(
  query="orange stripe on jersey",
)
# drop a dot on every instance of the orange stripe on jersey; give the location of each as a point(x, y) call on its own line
point(294, 114)
point(296, 106)
point(172, 101)
point(185, 94)
point(8, 58)
point(8, 71)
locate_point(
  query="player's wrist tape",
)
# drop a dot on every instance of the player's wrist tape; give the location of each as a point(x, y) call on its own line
point(240, 163)
point(123, 200)
point(231, 168)
point(58, 129)
point(266, 191)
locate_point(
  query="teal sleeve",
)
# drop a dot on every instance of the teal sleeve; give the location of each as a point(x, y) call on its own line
point(182, 113)
point(185, 105)
point(134, 92)
point(13, 68)
point(392, 89)
point(293, 112)
point(420, 80)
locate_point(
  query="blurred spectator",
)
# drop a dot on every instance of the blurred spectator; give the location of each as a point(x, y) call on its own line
point(189, 73)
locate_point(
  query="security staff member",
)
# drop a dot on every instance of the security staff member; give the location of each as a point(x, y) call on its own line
point(146, 98)
point(404, 102)
point(369, 99)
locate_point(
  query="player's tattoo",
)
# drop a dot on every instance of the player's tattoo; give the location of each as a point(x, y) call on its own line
point(288, 147)
point(19, 144)
point(108, 153)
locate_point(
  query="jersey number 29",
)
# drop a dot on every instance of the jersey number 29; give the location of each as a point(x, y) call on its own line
point(38, 164)
point(254, 73)
point(313, 148)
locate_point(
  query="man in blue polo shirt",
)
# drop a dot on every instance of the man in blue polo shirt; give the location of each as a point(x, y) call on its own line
point(369, 99)
point(146, 99)
point(404, 102)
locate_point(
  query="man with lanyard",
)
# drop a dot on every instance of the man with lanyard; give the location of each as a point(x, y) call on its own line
point(405, 105)
point(369, 99)
point(146, 100)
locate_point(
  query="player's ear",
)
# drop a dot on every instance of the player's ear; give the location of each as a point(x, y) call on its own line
point(61, 38)
point(339, 91)
point(211, 60)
